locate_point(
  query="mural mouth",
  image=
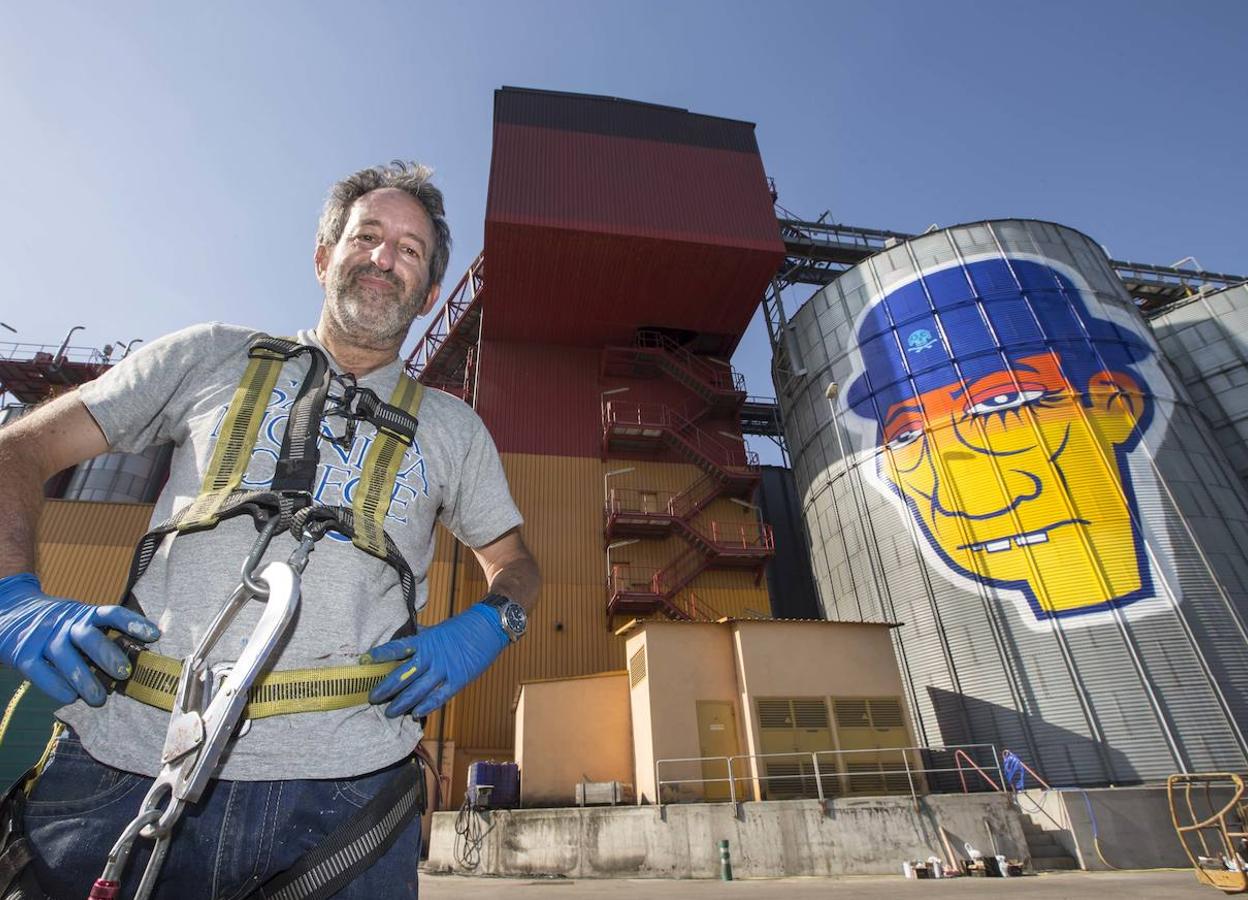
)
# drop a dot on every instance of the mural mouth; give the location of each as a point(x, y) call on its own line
point(1023, 539)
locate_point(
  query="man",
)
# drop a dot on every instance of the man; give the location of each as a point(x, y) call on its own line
point(1004, 412)
point(287, 781)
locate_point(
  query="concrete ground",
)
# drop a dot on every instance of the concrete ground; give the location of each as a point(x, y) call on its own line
point(1172, 885)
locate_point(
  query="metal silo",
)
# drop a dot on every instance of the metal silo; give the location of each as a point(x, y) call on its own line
point(1206, 340)
point(1005, 467)
point(121, 477)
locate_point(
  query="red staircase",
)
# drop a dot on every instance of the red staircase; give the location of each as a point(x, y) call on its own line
point(653, 354)
point(728, 470)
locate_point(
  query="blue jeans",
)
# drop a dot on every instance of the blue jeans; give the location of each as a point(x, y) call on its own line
point(238, 830)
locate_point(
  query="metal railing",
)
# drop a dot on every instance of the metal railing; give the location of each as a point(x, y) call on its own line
point(663, 418)
point(51, 353)
point(714, 373)
point(742, 536)
point(637, 501)
point(961, 757)
point(456, 305)
point(825, 767)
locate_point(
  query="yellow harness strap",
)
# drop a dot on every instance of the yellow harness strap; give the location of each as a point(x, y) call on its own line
point(381, 469)
point(155, 680)
point(238, 436)
point(155, 677)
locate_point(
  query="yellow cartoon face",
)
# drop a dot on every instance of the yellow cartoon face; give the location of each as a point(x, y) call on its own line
point(1016, 478)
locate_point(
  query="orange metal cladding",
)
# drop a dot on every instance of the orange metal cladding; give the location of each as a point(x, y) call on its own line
point(84, 549)
point(561, 499)
point(605, 215)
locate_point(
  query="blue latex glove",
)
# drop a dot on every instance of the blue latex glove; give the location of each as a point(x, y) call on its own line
point(444, 658)
point(44, 638)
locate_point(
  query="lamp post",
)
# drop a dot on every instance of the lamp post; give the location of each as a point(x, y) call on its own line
point(830, 392)
point(612, 474)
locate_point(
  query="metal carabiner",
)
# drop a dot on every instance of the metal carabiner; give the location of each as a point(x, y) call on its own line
point(259, 589)
point(108, 884)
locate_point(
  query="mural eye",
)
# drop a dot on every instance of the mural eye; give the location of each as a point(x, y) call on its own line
point(1008, 399)
point(905, 438)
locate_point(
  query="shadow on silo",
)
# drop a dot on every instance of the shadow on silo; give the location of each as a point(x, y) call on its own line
point(1070, 752)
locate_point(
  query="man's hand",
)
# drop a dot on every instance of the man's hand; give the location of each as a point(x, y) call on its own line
point(44, 638)
point(442, 660)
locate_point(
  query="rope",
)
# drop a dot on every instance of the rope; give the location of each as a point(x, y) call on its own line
point(1087, 802)
point(12, 708)
point(470, 834)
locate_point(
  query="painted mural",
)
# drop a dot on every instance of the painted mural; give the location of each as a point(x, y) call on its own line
point(1004, 413)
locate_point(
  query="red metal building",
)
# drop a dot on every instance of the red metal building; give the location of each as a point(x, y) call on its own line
point(626, 248)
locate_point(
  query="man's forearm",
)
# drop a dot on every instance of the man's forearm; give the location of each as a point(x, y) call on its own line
point(520, 581)
point(55, 436)
point(21, 496)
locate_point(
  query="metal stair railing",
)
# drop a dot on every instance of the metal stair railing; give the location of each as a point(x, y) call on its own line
point(715, 374)
point(679, 572)
point(707, 451)
point(460, 301)
point(960, 757)
point(693, 499)
point(697, 609)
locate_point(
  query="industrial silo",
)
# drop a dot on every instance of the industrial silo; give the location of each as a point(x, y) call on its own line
point(1206, 340)
point(121, 477)
point(1005, 467)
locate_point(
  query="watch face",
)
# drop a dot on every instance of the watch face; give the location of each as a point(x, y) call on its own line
point(514, 618)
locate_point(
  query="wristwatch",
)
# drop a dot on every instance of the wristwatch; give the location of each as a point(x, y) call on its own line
point(511, 615)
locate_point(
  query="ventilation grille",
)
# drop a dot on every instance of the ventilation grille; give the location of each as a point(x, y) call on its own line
point(884, 777)
point(637, 668)
point(886, 714)
point(810, 713)
point(774, 714)
point(798, 712)
point(880, 713)
point(789, 780)
point(852, 714)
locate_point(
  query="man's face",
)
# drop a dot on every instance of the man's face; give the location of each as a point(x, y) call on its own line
point(376, 278)
point(1015, 479)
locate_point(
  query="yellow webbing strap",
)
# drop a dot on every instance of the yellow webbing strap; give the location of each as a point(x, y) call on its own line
point(380, 469)
point(238, 436)
point(155, 679)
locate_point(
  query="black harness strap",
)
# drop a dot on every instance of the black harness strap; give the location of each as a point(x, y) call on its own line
point(352, 847)
point(297, 460)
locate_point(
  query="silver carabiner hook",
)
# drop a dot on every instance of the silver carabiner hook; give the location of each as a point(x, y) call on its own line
point(258, 588)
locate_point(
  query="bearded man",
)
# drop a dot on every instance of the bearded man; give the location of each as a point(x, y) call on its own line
point(290, 784)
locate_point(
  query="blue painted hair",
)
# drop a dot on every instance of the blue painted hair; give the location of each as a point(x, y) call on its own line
point(946, 329)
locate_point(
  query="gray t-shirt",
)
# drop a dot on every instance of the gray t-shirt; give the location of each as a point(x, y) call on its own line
point(178, 389)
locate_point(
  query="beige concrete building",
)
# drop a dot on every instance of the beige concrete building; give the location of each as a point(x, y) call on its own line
point(772, 699)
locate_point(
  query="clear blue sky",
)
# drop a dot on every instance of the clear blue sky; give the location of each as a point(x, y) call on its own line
point(164, 163)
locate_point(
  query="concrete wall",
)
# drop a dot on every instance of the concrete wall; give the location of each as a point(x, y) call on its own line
point(1131, 825)
point(569, 730)
point(767, 840)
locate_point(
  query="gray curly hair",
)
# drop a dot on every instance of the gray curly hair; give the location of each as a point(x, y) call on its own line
point(412, 178)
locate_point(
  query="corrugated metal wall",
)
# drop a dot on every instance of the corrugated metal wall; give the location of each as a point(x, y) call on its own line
point(604, 215)
point(561, 499)
point(1206, 340)
point(1089, 681)
point(598, 164)
point(84, 549)
point(789, 578)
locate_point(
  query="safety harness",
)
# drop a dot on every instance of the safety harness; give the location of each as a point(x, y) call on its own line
point(207, 703)
point(289, 497)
